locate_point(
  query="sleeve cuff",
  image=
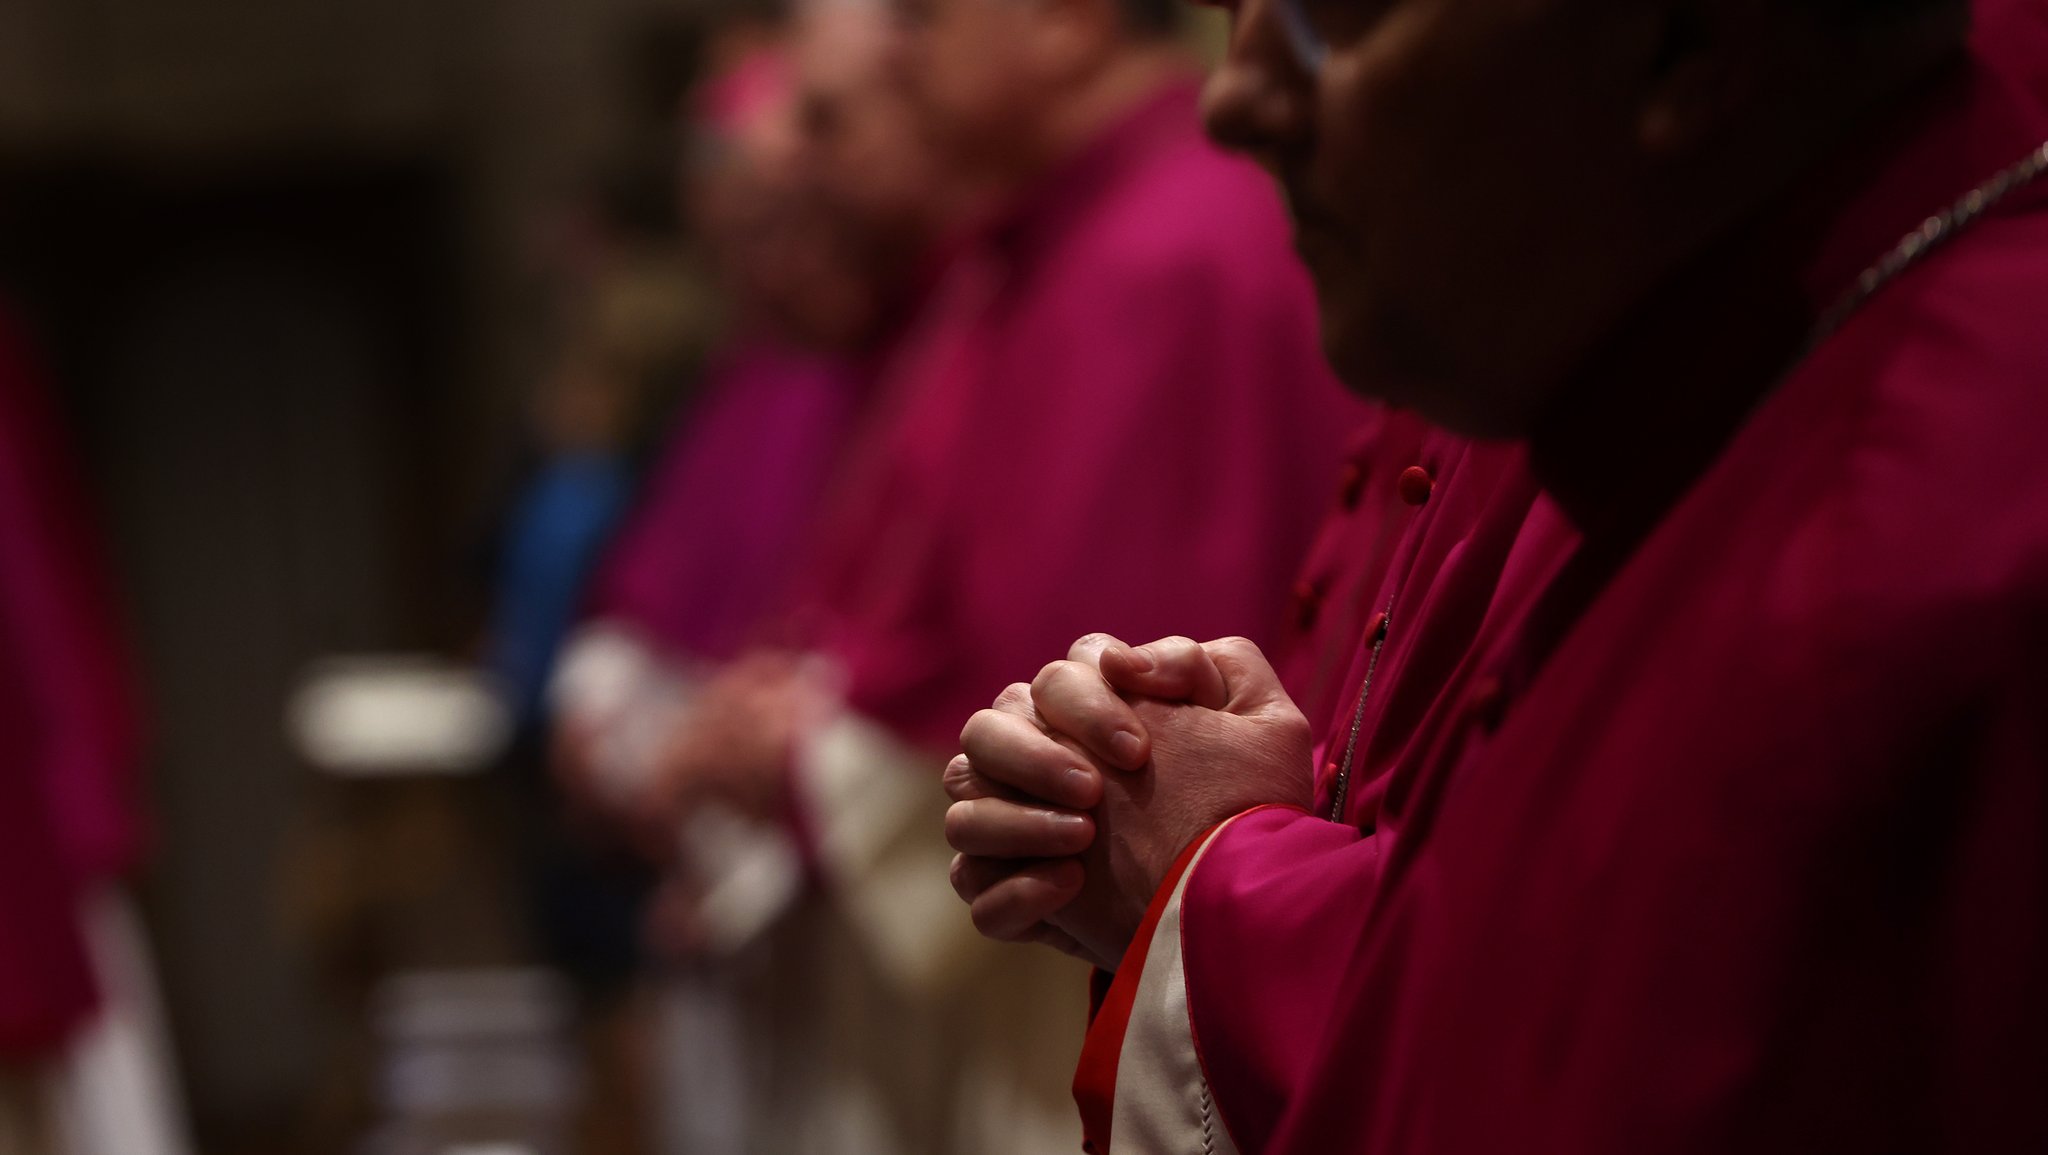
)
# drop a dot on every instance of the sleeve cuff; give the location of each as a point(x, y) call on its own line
point(615, 684)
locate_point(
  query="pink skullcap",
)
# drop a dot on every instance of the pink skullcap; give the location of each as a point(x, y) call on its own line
point(733, 100)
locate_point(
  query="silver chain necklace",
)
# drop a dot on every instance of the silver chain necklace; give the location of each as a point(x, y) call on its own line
point(1341, 790)
point(1914, 248)
point(1932, 234)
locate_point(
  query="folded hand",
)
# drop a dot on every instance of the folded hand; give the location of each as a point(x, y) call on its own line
point(1075, 794)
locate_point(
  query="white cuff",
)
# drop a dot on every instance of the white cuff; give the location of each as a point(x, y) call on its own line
point(1163, 1101)
point(617, 685)
point(877, 817)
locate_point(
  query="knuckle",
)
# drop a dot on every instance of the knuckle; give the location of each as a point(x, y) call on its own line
point(1093, 640)
point(977, 724)
point(1048, 675)
point(1068, 686)
point(1058, 834)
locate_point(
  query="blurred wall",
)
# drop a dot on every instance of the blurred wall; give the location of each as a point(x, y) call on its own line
point(517, 100)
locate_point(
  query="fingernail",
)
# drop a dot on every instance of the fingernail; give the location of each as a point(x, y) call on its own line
point(1126, 746)
point(1077, 782)
point(1140, 661)
point(1069, 821)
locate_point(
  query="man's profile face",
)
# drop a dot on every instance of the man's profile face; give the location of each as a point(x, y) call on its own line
point(869, 157)
point(966, 68)
point(1461, 176)
point(863, 145)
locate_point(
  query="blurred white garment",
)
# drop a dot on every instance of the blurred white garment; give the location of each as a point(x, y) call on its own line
point(863, 1017)
point(870, 1019)
point(116, 1093)
point(701, 1065)
point(958, 1043)
point(618, 686)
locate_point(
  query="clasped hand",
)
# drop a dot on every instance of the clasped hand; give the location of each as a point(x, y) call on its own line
point(1075, 794)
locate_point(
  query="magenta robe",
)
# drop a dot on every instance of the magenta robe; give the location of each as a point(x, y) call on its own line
point(717, 536)
point(68, 722)
point(1338, 591)
point(1760, 861)
point(1119, 419)
point(1736, 837)
point(1437, 545)
point(2022, 26)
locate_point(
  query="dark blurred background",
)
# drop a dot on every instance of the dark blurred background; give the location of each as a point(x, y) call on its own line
point(295, 267)
point(360, 366)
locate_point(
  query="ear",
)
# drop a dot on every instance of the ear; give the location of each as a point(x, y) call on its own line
point(1704, 68)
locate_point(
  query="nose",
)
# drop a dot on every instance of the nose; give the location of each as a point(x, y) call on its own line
point(1259, 100)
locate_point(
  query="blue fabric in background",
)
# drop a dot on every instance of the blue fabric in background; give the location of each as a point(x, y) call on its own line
point(558, 526)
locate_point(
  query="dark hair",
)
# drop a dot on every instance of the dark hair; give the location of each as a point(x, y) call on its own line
point(1150, 19)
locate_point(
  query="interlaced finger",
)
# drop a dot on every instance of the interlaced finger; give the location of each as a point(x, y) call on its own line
point(998, 828)
point(1011, 901)
point(1009, 754)
point(1175, 669)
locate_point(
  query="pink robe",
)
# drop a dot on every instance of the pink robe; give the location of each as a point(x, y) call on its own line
point(1121, 421)
point(68, 723)
point(719, 531)
point(1114, 416)
point(1436, 544)
point(1338, 591)
point(1735, 833)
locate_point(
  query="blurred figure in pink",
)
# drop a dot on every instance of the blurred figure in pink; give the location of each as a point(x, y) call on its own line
point(83, 1068)
point(816, 206)
point(711, 545)
point(1120, 361)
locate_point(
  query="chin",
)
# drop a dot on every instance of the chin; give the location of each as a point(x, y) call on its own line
point(1385, 359)
point(1462, 406)
point(1357, 364)
point(1464, 415)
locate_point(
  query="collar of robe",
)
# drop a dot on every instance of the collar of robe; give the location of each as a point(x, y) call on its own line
point(1649, 414)
point(1652, 412)
point(1035, 220)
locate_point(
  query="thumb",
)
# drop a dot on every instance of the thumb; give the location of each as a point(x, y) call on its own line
point(1172, 669)
point(1250, 684)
